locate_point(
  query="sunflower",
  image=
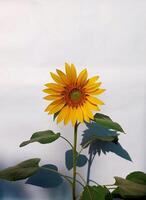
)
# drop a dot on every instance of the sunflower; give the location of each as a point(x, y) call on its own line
point(73, 97)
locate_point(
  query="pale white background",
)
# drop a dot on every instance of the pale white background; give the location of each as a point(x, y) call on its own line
point(38, 36)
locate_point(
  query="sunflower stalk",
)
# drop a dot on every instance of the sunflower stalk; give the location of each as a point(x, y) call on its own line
point(74, 161)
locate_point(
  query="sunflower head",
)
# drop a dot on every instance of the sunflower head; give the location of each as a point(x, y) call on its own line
point(74, 97)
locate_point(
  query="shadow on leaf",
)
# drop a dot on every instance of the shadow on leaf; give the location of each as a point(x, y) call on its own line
point(46, 177)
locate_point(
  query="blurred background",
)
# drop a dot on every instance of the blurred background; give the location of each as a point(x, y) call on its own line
point(38, 36)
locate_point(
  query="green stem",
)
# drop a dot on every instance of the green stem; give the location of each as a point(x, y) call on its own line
point(93, 182)
point(67, 141)
point(74, 162)
point(81, 177)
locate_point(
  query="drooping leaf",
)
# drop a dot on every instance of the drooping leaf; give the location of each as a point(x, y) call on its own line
point(81, 159)
point(23, 170)
point(46, 177)
point(107, 122)
point(130, 189)
point(137, 177)
point(95, 193)
point(43, 137)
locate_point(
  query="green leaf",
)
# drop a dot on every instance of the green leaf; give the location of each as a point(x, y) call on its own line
point(107, 122)
point(23, 170)
point(137, 177)
point(47, 177)
point(102, 116)
point(105, 138)
point(116, 193)
point(81, 159)
point(95, 193)
point(43, 137)
point(130, 189)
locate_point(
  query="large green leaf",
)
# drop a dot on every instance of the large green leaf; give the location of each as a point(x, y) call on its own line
point(95, 193)
point(23, 170)
point(47, 177)
point(107, 122)
point(137, 177)
point(43, 137)
point(130, 189)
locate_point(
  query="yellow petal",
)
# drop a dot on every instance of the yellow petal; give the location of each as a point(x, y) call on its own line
point(55, 104)
point(92, 80)
point(67, 117)
point(73, 115)
point(92, 106)
point(52, 97)
point(51, 91)
point(74, 73)
point(85, 114)
point(68, 72)
point(97, 92)
point(56, 108)
point(62, 114)
point(56, 78)
point(79, 114)
point(57, 101)
point(94, 87)
point(82, 78)
point(54, 86)
point(88, 112)
point(94, 100)
point(62, 76)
